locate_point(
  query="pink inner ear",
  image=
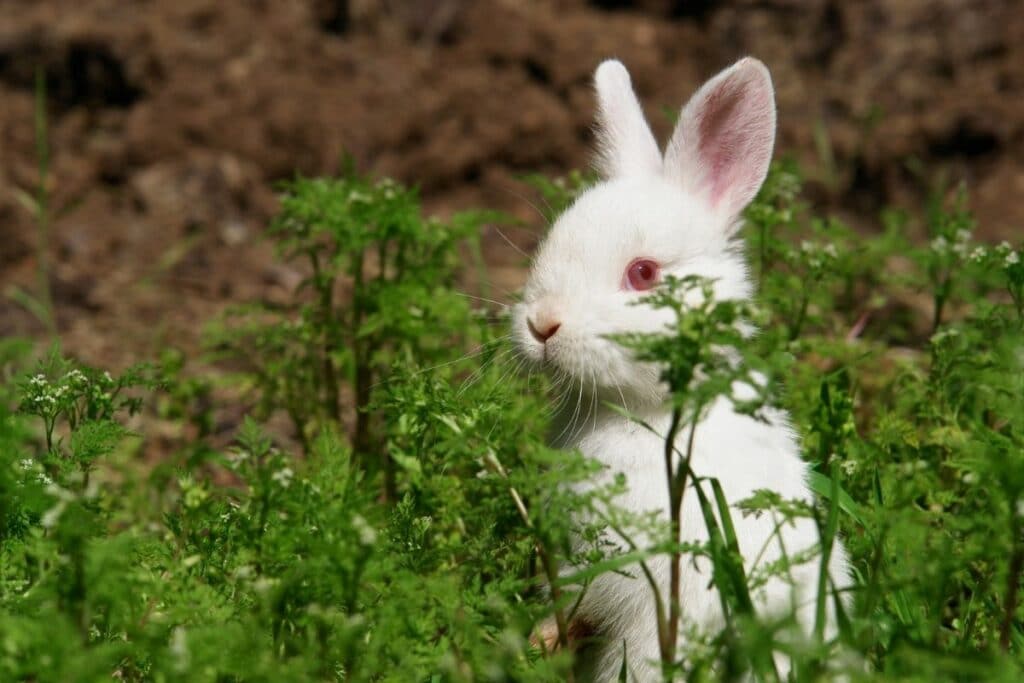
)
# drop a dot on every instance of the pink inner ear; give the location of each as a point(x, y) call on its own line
point(735, 139)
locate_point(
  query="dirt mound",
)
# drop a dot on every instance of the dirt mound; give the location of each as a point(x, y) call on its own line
point(172, 119)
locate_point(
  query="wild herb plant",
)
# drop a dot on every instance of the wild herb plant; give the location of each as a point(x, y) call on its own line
point(380, 284)
point(38, 204)
point(264, 562)
point(701, 364)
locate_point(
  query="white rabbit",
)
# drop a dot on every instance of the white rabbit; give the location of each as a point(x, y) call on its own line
point(655, 215)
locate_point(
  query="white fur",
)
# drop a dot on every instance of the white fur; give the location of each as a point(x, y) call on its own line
point(680, 211)
point(624, 140)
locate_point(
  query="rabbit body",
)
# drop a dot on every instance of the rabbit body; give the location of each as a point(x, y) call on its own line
point(654, 214)
point(744, 455)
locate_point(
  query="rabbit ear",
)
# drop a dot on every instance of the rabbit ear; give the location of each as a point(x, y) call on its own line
point(625, 143)
point(723, 142)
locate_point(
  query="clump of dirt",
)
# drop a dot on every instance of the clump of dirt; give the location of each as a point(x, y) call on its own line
point(171, 120)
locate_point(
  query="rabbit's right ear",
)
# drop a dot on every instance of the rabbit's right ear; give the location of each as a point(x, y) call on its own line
point(625, 143)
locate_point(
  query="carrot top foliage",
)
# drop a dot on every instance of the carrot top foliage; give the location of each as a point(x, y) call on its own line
point(411, 525)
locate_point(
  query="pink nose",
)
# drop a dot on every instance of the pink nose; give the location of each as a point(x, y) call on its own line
point(544, 332)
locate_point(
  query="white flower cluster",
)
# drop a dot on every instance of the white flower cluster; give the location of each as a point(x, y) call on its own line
point(959, 246)
point(48, 398)
point(1008, 254)
point(283, 477)
point(29, 465)
point(357, 197)
point(389, 188)
point(77, 379)
point(42, 396)
point(1003, 252)
point(817, 255)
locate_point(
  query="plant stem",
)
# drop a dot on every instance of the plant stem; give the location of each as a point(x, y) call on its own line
point(827, 542)
point(677, 478)
point(1012, 587)
point(547, 560)
point(941, 294)
point(675, 496)
point(363, 378)
point(805, 299)
point(43, 203)
point(326, 315)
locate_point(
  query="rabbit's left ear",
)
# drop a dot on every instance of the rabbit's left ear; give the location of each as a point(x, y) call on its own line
point(625, 144)
point(722, 145)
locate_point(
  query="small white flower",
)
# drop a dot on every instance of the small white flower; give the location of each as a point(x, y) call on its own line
point(1004, 248)
point(970, 478)
point(849, 467)
point(940, 245)
point(960, 249)
point(978, 255)
point(283, 477)
point(1013, 258)
point(962, 235)
point(830, 249)
point(76, 377)
point(27, 463)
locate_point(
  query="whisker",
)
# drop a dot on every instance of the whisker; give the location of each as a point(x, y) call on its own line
point(501, 380)
point(533, 206)
point(618, 388)
point(477, 374)
point(570, 426)
point(471, 354)
point(594, 426)
point(578, 414)
point(510, 242)
point(480, 298)
point(559, 403)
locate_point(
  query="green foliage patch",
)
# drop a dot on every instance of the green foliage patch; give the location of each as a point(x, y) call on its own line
point(413, 526)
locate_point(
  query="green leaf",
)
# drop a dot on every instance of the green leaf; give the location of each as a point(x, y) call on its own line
point(822, 486)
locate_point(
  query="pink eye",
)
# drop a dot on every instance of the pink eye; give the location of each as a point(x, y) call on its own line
point(641, 275)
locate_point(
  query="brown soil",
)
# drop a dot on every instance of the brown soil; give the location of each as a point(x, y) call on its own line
point(172, 119)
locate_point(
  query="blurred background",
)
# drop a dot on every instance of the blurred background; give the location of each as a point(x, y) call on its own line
point(171, 120)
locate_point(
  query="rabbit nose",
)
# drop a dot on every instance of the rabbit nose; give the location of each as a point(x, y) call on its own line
point(544, 331)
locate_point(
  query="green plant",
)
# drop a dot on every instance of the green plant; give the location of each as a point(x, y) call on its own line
point(433, 546)
point(379, 289)
point(37, 204)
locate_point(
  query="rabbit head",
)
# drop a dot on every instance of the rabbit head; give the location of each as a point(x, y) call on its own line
point(651, 215)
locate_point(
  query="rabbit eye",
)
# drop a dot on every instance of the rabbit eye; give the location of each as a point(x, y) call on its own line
point(641, 275)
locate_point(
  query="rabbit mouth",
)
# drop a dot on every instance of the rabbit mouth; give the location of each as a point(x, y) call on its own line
point(602, 368)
